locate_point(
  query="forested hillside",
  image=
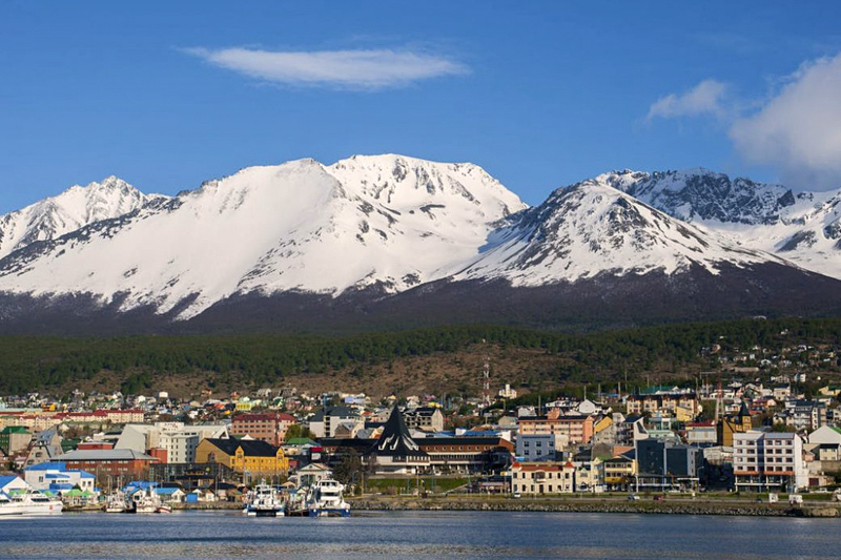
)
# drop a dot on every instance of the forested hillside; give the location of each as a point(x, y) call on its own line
point(138, 363)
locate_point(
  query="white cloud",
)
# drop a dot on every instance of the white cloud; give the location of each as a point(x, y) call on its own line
point(352, 69)
point(799, 130)
point(705, 98)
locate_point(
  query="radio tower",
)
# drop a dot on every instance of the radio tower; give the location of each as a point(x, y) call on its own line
point(486, 381)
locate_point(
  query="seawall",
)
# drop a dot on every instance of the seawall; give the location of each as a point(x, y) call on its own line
point(682, 507)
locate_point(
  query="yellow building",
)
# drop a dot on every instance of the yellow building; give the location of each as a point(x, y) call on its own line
point(619, 473)
point(245, 404)
point(729, 425)
point(602, 424)
point(253, 458)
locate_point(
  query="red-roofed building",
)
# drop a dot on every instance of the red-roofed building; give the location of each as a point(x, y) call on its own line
point(267, 426)
point(543, 478)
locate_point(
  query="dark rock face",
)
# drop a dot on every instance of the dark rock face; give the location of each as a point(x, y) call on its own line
point(602, 302)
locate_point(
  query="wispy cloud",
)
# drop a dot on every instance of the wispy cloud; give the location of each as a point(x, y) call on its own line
point(348, 69)
point(798, 130)
point(706, 98)
point(795, 130)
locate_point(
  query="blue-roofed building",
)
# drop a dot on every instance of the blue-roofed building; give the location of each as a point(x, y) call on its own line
point(12, 484)
point(170, 494)
point(56, 478)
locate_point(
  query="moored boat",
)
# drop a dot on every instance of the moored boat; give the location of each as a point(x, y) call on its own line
point(263, 501)
point(326, 500)
point(29, 503)
point(146, 502)
point(116, 503)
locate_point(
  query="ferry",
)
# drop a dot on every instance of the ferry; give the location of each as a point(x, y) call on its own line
point(326, 500)
point(263, 501)
point(29, 503)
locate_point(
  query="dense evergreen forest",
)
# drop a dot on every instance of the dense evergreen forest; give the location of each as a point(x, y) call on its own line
point(47, 363)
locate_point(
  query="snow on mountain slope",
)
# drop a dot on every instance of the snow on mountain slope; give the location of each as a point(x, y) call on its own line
point(386, 221)
point(76, 207)
point(589, 229)
point(801, 227)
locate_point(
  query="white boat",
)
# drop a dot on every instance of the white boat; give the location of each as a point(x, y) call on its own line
point(116, 503)
point(326, 500)
point(164, 508)
point(146, 502)
point(7, 506)
point(263, 501)
point(29, 503)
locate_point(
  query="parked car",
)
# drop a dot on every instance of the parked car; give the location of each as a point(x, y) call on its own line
point(632, 497)
point(517, 495)
point(659, 498)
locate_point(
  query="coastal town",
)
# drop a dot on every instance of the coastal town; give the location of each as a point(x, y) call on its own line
point(763, 433)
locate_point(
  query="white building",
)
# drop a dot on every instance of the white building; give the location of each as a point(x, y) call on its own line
point(179, 440)
point(542, 478)
point(769, 460)
point(325, 422)
point(539, 447)
point(507, 392)
point(57, 478)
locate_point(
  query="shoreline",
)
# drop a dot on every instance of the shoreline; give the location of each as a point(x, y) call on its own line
point(572, 505)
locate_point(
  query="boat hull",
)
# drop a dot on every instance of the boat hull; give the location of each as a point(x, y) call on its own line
point(329, 512)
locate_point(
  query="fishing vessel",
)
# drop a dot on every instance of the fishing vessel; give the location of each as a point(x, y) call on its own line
point(116, 503)
point(263, 501)
point(326, 500)
point(147, 502)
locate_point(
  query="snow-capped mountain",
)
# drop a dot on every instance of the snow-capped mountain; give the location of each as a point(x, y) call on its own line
point(392, 240)
point(386, 221)
point(74, 208)
point(801, 227)
point(590, 229)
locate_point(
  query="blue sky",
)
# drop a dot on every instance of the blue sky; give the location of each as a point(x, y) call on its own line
point(541, 94)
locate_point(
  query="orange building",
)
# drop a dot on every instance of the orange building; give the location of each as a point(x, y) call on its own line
point(269, 426)
point(578, 428)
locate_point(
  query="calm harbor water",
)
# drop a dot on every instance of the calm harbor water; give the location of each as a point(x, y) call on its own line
point(409, 535)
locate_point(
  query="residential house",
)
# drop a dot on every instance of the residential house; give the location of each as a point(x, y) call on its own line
point(47, 447)
point(702, 433)
point(683, 406)
point(309, 475)
point(427, 419)
point(803, 415)
point(325, 422)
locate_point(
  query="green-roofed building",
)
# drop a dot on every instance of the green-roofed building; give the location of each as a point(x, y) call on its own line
point(14, 439)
